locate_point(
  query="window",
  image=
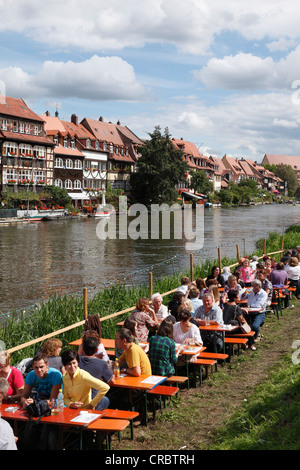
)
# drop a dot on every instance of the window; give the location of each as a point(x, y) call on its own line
point(97, 145)
point(73, 144)
point(39, 151)
point(4, 125)
point(77, 184)
point(59, 163)
point(10, 175)
point(25, 175)
point(36, 130)
point(58, 183)
point(26, 150)
point(88, 143)
point(117, 150)
point(111, 148)
point(55, 140)
point(10, 148)
point(27, 128)
point(69, 163)
point(66, 143)
point(68, 184)
point(15, 126)
point(22, 127)
point(105, 146)
point(39, 176)
point(78, 164)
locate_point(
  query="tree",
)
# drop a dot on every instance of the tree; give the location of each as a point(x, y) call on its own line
point(200, 183)
point(288, 174)
point(58, 195)
point(159, 170)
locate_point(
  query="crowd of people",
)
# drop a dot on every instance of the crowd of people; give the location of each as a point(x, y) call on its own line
point(86, 376)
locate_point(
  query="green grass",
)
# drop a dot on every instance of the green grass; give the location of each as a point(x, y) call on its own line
point(270, 418)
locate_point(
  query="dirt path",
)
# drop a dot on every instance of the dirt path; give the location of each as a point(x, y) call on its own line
point(204, 409)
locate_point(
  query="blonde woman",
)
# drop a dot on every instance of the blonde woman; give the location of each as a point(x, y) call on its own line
point(52, 349)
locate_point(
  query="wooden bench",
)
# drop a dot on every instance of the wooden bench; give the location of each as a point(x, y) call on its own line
point(215, 356)
point(200, 363)
point(231, 341)
point(176, 379)
point(242, 335)
point(122, 414)
point(162, 391)
point(108, 427)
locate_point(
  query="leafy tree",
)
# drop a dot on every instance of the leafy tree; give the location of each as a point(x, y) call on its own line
point(200, 183)
point(159, 169)
point(58, 195)
point(288, 174)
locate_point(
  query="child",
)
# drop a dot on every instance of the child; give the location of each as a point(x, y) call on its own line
point(247, 274)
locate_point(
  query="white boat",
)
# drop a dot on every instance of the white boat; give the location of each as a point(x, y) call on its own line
point(103, 210)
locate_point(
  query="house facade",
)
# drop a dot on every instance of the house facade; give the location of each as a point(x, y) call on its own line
point(26, 151)
point(121, 150)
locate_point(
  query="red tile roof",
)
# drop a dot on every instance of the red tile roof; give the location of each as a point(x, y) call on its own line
point(17, 108)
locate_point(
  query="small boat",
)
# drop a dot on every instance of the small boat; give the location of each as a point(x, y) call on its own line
point(103, 210)
point(33, 218)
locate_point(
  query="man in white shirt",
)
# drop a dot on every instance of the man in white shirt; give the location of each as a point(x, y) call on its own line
point(256, 299)
point(213, 341)
point(7, 438)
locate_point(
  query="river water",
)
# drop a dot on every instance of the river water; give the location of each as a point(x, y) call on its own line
point(64, 256)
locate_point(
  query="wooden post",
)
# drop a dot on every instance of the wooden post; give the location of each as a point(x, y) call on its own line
point(85, 309)
point(282, 240)
point(265, 245)
point(219, 256)
point(191, 267)
point(237, 252)
point(150, 285)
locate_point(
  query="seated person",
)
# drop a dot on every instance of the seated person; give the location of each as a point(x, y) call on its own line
point(293, 271)
point(52, 349)
point(184, 285)
point(213, 341)
point(14, 378)
point(177, 300)
point(279, 278)
point(162, 350)
point(247, 274)
point(254, 262)
point(78, 384)
point(161, 311)
point(201, 286)
point(101, 353)
point(145, 318)
point(194, 297)
point(216, 293)
point(232, 284)
point(233, 315)
point(7, 438)
point(43, 381)
point(96, 367)
point(130, 325)
point(265, 284)
point(184, 329)
point(216, 274)
point(226, 273)
point(133, 355)
point(256, 299)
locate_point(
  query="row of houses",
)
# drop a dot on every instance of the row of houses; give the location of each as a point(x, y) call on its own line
point(85, 157)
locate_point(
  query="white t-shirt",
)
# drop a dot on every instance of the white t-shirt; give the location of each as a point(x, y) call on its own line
point(162, 312)
point(179, 336)
point(293, 272)
point(7, 438)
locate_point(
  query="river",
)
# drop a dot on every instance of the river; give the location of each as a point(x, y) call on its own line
point(64, 256)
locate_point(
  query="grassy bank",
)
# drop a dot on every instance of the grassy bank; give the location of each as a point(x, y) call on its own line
point(61, 311)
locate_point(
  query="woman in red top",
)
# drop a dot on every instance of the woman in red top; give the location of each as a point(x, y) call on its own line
point(13, 376)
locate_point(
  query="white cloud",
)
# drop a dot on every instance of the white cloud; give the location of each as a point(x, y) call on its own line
point(245, 71)
point(98, 78)
point(98, 25)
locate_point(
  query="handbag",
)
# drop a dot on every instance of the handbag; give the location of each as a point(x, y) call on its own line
point(38, 409)
point(245, 327)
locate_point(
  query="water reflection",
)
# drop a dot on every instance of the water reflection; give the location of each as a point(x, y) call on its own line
point(66, 255)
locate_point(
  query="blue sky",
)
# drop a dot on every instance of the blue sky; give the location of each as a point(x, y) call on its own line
point(224, 76)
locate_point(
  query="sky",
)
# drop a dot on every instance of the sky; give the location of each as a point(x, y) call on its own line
point(223, 75)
